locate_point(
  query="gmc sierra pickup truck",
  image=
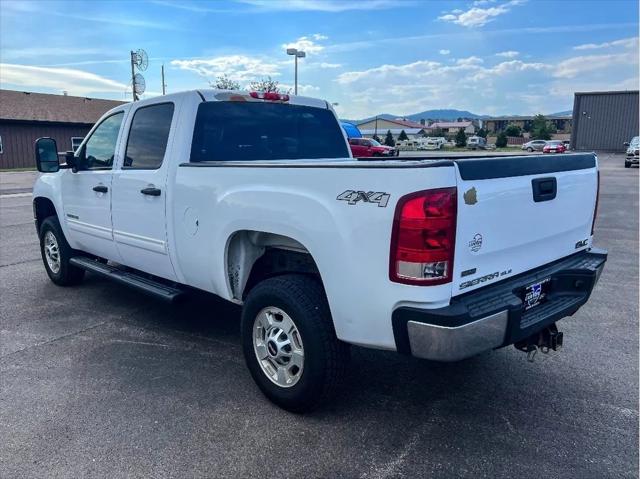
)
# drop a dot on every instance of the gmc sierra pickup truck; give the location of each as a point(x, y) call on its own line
point(256, 198)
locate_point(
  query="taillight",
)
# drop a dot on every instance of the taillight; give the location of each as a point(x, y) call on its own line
point(423, 237)
point(595, 209)
point(269, 95)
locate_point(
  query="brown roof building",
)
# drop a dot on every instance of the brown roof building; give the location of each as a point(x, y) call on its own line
point(25, 117)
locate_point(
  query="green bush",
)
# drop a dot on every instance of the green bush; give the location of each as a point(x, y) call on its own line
point(461, 138)
point(501, 141)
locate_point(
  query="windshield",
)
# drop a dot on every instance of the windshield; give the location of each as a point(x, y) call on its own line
point(635, 141)
point(256, 131)
point(374, 142)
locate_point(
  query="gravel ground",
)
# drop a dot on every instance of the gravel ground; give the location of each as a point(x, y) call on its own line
point(99, 381)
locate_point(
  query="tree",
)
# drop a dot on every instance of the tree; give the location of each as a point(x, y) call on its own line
point(376, 137)
point(266, 85)
point(540, 129)
point(482, 132)
point(403, 136)
point(223, 82)
point(461, 138)
point(388, 139)
point(501, 141)
point(513, 130)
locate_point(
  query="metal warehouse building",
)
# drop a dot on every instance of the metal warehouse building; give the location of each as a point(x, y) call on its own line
point(26, 116)
point(604, 120)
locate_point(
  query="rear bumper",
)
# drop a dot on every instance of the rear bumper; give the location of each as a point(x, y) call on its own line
point(494, 316)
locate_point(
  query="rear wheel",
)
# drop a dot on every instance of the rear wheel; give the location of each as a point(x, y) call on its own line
point(56, 254)
point(289, 343)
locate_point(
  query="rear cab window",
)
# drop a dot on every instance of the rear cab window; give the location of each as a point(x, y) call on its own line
point(256, 131)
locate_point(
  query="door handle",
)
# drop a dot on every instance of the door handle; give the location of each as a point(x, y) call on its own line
point(151, 191)
point(544, 189)
point(100, 189)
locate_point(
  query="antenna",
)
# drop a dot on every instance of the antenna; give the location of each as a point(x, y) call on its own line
point(139, 60)
point(139, 84)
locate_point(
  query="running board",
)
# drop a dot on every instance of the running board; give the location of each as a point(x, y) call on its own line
point(134, 280)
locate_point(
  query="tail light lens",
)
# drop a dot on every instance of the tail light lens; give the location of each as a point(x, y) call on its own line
point(595, 209)
point(269, 95)
point(423, 237)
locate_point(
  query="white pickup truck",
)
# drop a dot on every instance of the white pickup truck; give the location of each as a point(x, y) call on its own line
point(255, 197)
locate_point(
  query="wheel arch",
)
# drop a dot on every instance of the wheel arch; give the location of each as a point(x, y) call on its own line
point(252, 256)
point(43, 207)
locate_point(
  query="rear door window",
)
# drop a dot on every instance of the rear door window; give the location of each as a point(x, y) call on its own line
point(256, 131)
point(148, 137)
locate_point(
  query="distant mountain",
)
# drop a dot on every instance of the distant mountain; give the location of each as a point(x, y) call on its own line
point(450, 115)
point(562, 113)
point(447, 115)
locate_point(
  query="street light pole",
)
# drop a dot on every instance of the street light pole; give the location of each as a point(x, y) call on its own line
point(296, 54)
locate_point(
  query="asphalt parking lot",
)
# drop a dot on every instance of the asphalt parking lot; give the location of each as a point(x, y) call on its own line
point(99, 381)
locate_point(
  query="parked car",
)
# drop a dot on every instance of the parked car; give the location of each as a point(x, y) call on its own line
point(366, 147)
point(255, 197)
point(429, 144)
point(554, 146)
point(477, 143)
point(633, 148)
point(534, 145)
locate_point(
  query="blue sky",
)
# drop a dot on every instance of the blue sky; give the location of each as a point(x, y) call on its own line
point(369, 56)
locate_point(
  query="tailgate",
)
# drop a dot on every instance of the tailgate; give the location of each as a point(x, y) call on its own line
point(518, 213)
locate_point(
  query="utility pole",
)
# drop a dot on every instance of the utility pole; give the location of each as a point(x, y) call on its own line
point(375, 133)
point(163, 83)
point(133, 76)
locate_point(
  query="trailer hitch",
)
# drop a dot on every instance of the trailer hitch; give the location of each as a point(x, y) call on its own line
point(547, 339)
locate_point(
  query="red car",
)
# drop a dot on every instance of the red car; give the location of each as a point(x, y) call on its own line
point(554, 146)
point(363, 147)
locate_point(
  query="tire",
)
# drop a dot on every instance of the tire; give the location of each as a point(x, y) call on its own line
point(324, 357)
point(627, 164)
point(530, 150)
point(54, 245)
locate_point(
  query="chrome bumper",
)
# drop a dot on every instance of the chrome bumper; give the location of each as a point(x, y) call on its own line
point(495, 316)
point(441, 343)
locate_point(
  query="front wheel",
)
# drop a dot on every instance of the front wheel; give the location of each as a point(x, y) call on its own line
point(56, 254)
point(289, 343)
point(627, 164)
point(530, 150)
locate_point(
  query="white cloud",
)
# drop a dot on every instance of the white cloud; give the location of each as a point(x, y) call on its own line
point(508, 54)
point(330, 65)
point(477, 16)
point(307, 44)
point(237, 67)
point(508, 86)
point(469, 61)
point(444, 52)
point(305, 90)
point(625, 43)
point(576, 66)
point(76, 82)
point(323, 5)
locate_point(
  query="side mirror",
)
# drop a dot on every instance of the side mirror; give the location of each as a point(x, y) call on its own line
point(626, 143)
point(47, 155)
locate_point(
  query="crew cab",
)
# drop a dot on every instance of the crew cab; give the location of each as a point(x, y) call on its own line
point(366, 147)
point(255, 197)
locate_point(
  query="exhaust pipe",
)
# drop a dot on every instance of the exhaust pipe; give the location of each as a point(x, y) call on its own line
point(547, 339)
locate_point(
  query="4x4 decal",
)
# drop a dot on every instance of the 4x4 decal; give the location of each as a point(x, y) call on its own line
point(352, 197)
